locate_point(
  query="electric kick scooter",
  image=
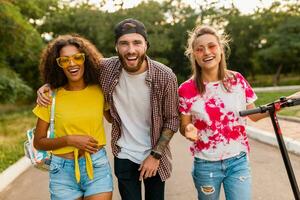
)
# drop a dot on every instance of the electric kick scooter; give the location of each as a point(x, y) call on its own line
point(272, 108)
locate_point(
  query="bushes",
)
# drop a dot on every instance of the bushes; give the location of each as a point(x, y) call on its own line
point(12, 87)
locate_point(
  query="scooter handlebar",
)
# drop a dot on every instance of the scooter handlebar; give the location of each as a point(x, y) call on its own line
point(264, 108)
point(296, 101)
point(251, 111)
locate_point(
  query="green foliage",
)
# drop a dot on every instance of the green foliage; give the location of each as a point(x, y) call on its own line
point(84, 20)
point(12, 88)
point(244, 35)
point(35, 9)
point(282, 42)
point(278, 48)
point(262, 42)
point(22, 44)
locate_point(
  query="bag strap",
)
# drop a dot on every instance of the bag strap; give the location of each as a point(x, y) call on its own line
point(51, 131)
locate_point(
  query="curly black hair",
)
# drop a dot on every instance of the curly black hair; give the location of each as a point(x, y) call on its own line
point(54, 75)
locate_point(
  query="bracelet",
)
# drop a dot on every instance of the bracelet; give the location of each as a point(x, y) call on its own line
point(155, 155)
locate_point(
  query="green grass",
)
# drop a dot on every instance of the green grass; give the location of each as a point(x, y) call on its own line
point(268, 97)
point(267, 80)
point(14, 121)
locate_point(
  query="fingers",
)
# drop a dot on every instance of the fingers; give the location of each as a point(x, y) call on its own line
point(42, 98)
point(143, 170)
point(84, 142)
point(146, 172)
point(92, 145)
point(92, 140)
point(43, 102)
point(191, 133)
point(189, 127)
point(154, 172)
point(193, 138)
point(91, 149)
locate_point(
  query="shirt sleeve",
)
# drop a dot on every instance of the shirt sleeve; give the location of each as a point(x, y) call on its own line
point(42, 112)
point(249, 92)
point(170, 105)
point(187, 94)
point(184, 106)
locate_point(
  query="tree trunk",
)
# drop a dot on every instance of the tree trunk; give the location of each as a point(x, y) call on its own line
point(276, 77)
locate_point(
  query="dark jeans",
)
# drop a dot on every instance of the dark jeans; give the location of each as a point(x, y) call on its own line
point(129, 185)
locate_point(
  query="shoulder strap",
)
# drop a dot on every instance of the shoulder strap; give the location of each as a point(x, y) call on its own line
point(51, 131)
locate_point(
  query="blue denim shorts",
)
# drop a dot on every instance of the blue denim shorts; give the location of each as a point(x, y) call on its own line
point(63, 184)
point(233, 173)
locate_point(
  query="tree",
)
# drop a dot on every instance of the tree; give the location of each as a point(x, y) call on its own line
point(278, 49)
point(84, 19)
point(19, 50)
point(281, 49)
point(242, 30)
point(35, 9)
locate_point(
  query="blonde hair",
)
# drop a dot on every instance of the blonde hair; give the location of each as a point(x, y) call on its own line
point(223, 41)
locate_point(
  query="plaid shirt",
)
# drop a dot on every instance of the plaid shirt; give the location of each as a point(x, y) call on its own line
point(163, 99)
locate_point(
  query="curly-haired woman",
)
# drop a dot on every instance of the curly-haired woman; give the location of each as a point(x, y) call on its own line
point(79, 168)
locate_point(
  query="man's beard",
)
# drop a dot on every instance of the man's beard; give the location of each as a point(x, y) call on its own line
point(132, 69)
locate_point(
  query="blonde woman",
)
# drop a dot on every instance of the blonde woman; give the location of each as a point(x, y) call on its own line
point(210, 102)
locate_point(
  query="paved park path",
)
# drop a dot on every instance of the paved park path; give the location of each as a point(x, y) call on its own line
point(270, 181)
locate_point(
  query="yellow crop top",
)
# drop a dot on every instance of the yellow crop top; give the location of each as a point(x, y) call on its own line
point(77, 113)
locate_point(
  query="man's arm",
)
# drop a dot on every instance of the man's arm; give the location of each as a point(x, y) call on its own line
point(150, 165)
point(164, 140)
point(170, 115)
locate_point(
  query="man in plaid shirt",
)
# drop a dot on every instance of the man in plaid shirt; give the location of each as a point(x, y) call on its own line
point(142, 95)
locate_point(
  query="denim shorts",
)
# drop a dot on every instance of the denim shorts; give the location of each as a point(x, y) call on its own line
point(233, 173)
point(63, 184)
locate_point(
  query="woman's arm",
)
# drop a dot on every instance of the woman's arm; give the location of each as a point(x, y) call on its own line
point(294, 96)
point(257, 116)
point(187, 129)
point(184, 121)
point(41, 142)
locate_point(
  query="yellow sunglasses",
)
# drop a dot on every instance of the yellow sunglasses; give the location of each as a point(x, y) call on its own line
point(64, 61)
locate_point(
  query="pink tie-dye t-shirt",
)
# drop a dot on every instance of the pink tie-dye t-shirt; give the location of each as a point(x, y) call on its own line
point(216, 116)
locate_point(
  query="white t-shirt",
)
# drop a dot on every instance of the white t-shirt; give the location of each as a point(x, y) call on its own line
point(216, 116)
point(132, 101)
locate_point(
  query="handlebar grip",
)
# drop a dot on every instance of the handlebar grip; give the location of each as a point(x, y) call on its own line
point(250, 112)
point(296, 102)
